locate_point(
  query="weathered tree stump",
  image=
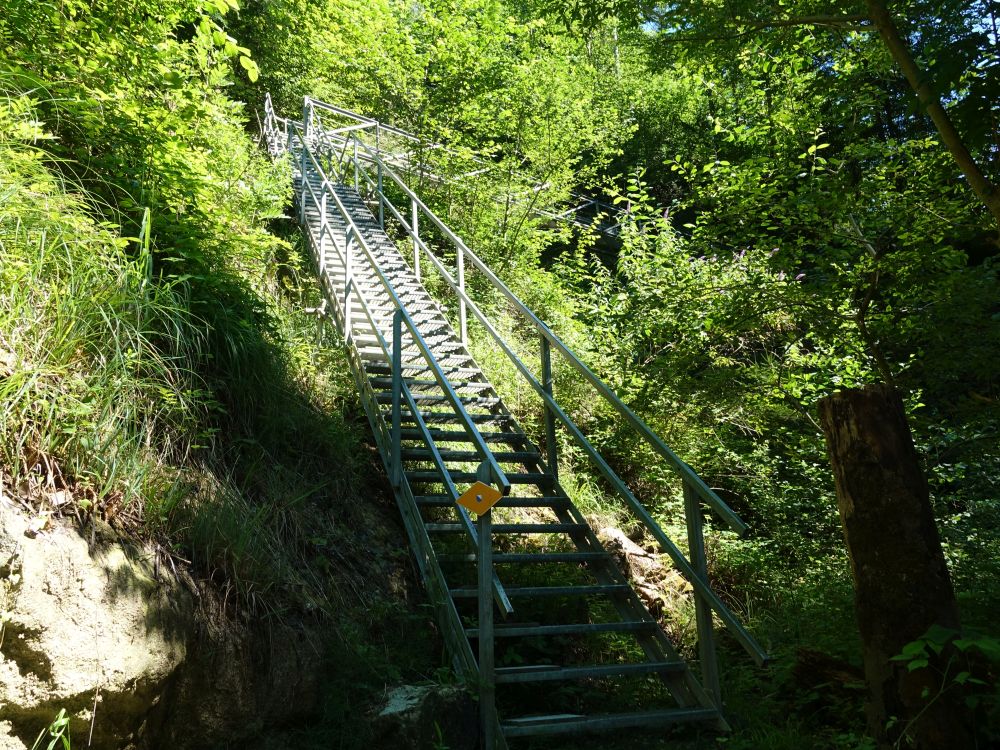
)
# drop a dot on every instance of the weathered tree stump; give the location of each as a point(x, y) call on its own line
point(901, 579)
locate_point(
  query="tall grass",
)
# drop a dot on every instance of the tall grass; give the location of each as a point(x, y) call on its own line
point(99, 386)
point(184, 400)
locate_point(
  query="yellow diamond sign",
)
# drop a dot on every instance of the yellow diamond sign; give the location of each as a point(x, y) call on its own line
point(479, 498)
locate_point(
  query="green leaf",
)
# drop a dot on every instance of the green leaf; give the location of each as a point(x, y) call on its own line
point(253, 72)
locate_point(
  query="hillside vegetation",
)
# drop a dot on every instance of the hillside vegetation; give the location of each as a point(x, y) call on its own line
point(794, 224)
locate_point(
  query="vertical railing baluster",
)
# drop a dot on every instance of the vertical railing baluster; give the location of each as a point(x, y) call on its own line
point(463, 328)
point(551, 449)
point(378, 164)
point(357, 176)
point(487, 677)
point(322, 229)
point(703, 612)
point(381, 196)
point(397, 394)
point(348, 280)
point(302, 180)
point(415, 223)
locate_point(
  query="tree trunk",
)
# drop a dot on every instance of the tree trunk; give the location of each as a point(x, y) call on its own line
point(931, 102)
point(901, 580)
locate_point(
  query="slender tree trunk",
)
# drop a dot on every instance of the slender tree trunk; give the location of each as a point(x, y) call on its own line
point(901, 580)
point(917, 79)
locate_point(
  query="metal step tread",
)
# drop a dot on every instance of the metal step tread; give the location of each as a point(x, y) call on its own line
point(528, 558)
point(551, 673)
point(384, 382)
point(439, 417)
point(487, 402)
point(471, 476)
point(381, 368)
point(511, 528)
point(609, 589)
point(470, 456)
point(527, 726)
point(553, 501)
point(582, 628)
point(461, 436)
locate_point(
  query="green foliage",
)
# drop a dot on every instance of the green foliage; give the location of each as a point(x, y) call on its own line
point(154, 362)
point(964, 664)
point(794, 227)
point(58, 733)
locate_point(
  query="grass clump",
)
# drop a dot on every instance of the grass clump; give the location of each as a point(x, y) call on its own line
point(99, 383)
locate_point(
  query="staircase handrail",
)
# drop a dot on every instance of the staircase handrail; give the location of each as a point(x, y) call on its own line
point(381, 127)
point(688, 476)
point(402, 317)
point(497, 474)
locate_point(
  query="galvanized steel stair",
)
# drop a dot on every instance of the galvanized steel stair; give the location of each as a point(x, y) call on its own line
point(559, 593)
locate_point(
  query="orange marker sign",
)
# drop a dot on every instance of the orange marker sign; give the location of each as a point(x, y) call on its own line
point(479, 498)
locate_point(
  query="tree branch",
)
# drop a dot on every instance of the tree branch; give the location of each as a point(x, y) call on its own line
point(852, 22)
point(979, 182)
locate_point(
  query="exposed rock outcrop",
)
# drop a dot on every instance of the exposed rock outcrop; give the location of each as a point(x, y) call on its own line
point(133, 656)
point(87, 629)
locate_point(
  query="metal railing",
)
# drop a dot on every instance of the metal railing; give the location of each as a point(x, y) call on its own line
point(322, 200)
point(360, 161)
point(347, 155)
point(576, 213)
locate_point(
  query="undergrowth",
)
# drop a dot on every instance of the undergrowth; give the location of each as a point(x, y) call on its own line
point(194, 409)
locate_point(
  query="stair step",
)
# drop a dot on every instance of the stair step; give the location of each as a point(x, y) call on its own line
point(527, 726)
point(526, 592)
point(461, 436)
point(411, 358)
point(443, 417)
point(522, 631)
point(413, 383)
point(471, 476)
point(550, 673)
point(449, 371)
point(554, 501)
point(470, 456)
point(511, 528)
point(528, 558)
point(476, 401)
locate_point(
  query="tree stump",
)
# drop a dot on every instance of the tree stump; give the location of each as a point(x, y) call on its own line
point(901, 580)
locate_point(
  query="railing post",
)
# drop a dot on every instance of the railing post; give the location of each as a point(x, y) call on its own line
point(397, 394)
point(463, 327)
point(357, 176)
point(487, 677)
point(348, 280)
point(381, 197)
point(322, 230)
point(302, 181)
point(703, 612)
point(551, 448)
point(415, 224)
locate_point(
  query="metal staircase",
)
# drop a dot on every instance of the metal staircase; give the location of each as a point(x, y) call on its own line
point(525, 593)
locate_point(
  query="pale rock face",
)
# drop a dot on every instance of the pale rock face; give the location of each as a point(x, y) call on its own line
point(88, 629)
